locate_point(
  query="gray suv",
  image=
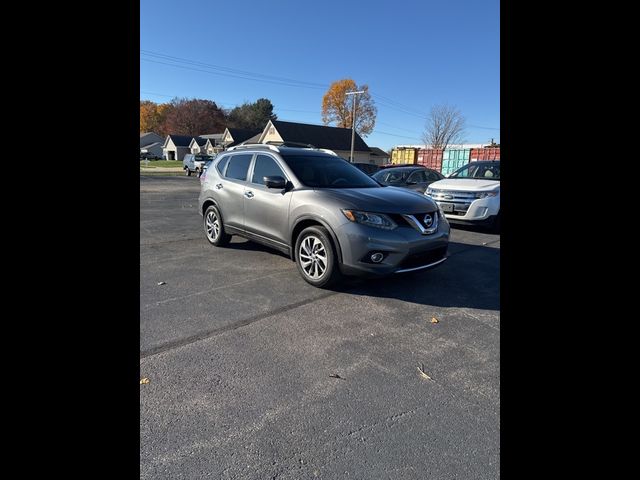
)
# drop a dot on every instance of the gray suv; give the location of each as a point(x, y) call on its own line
point(327, 215)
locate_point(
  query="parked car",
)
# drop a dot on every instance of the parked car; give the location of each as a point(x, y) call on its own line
point(414, 177)
point(368, 168)
point(148, 156)
point(327, 215)
point(194, 162)
point(471, 194)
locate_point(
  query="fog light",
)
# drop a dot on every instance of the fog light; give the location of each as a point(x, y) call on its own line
point(377, 257)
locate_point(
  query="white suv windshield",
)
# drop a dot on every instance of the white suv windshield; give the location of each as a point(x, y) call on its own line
point(488, 171)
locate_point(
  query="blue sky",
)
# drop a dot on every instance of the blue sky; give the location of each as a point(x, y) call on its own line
point(411, 53)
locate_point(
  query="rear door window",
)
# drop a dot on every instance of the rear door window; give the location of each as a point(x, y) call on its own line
point(238, 166)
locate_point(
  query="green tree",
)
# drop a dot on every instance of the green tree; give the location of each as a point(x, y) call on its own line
point(252, 115)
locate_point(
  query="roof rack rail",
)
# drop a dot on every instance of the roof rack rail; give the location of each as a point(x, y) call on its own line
point(254, 146)
point(326, 150)
point(291, 144)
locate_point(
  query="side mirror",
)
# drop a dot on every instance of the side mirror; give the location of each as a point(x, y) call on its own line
point(275, 181)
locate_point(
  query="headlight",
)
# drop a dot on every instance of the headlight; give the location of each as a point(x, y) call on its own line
point(487, 194)
point(429, 191)
point(378, 220)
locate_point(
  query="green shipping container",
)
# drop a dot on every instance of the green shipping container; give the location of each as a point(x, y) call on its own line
point(453, 159)
point(457, 154)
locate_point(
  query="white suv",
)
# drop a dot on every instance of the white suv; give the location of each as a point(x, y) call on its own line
point(471, 194)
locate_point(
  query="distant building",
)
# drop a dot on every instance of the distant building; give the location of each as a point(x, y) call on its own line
point(175, 147)
point(379, 156)
point(151, 143)
point(197, 145)
point(235, 136)
point(320, 136)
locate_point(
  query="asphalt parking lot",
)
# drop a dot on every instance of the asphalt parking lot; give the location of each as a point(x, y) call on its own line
point(242, 357)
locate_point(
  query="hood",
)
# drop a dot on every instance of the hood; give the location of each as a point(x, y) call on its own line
point(380, 200)
point(466, 184)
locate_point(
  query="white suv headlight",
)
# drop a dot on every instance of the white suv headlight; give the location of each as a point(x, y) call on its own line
point(493, 193)
point(378, 220)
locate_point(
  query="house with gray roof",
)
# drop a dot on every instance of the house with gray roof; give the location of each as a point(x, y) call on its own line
point(197, 145)
point(234, 136)
point(151, 144)
point(320, 136)
point(175, 147)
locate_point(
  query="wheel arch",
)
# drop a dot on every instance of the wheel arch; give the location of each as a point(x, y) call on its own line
point(308, 221)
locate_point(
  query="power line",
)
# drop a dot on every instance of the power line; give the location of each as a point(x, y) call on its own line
point(183, 63)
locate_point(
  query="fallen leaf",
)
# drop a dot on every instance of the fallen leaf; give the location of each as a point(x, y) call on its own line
point(162, 283)
point(144, 381)
point(423, 373)
point(484, 243)
point(335, 375)
point(434, 320)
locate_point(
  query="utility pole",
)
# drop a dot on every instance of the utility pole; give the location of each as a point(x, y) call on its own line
point(353, 121)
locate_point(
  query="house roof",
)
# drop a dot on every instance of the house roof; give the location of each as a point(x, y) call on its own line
point(320, 136)
point(253, 139)
point(213, 136)
point(378, 152)
point(151, 145)
point(240, 135)
point(181, 140)
point(200, 141)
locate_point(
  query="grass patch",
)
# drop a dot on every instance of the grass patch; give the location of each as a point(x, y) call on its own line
point(161, 164)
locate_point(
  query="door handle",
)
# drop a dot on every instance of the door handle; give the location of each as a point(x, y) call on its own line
point(219, 186)
point(248, 194)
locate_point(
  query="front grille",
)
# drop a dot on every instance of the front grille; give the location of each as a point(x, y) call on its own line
point(451, 196)
point(403, 222)
point(423, 258)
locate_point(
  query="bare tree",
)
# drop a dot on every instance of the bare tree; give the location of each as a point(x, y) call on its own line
point(445, 126)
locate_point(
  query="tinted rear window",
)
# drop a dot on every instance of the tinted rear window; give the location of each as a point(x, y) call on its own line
point(238, 166)
point(327, 171)
point(222, 164)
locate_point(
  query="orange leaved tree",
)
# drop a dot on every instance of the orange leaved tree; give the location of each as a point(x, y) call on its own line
point(337, 106)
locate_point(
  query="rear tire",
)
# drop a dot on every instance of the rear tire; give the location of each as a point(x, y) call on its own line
point(214, 228)
point(187, 172)
point(316, 257)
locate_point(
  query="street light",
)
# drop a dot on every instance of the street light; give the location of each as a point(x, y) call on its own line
point(353, 121)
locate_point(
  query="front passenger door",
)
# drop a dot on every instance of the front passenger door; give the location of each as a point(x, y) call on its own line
point(266, 210)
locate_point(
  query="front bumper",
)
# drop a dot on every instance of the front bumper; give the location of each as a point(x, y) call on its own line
point(404, 248)
point(479, 210)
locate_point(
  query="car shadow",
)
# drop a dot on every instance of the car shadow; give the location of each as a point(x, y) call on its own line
point(470, 278)
point(473, 228)
point(243, 244)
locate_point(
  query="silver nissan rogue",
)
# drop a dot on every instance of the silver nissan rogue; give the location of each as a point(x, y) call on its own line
point(327, 215)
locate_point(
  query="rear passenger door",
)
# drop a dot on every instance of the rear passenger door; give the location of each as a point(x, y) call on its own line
point(230, 189)
point(266, 210)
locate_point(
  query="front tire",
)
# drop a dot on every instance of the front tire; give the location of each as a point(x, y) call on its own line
point(316, 257)
point(187, 172)
point(214, 228)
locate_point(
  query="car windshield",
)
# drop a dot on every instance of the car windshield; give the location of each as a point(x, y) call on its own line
point(392, 177)
point(489, 171)
point(327, 171)
point(203, 158)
